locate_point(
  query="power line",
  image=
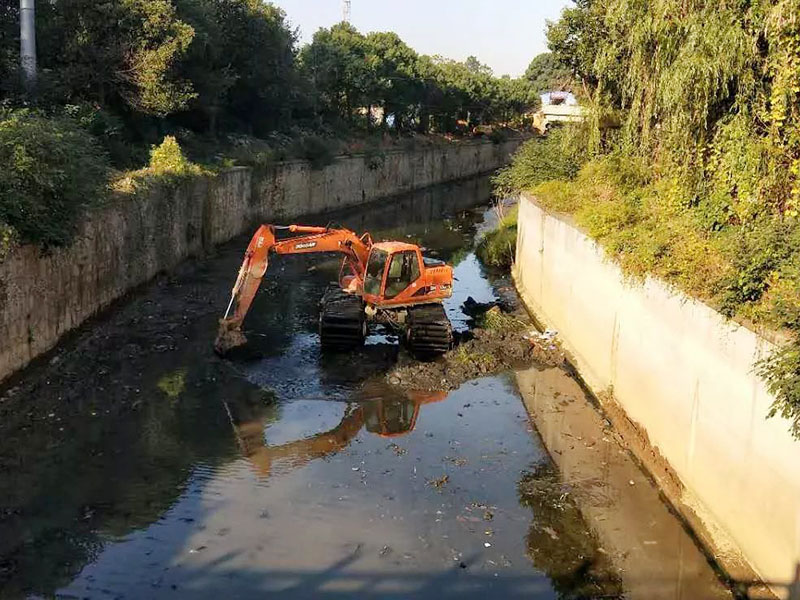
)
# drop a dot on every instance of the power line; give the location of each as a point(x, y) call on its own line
point(346, 11)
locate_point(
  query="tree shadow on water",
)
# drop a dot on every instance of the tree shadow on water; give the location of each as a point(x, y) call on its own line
point(343, 579)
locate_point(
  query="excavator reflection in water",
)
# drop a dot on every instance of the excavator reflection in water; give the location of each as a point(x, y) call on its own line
point(387, 417)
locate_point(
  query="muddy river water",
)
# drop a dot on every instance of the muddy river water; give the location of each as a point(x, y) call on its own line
point(136, 464)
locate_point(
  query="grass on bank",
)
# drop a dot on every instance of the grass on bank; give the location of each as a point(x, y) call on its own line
point(498, 247)
point(651, 223)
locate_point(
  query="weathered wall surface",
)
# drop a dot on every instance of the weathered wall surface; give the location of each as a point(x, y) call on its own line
point(125, 245)
point(684, 376)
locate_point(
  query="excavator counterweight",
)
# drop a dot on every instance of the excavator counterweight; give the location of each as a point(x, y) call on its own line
point(388, 283)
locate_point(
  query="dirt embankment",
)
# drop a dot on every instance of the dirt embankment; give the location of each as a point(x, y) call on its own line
point(500, 340)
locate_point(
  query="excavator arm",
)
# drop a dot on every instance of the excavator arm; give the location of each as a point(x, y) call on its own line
point(256, 259)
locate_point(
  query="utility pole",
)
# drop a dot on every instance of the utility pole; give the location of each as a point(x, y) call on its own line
point(346, 11)
point(27, 42)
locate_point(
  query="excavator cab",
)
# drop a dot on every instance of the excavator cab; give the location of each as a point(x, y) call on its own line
point(398, 270)
point(397, 274)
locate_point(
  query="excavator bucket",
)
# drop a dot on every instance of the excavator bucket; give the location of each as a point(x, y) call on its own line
point(229, 337)
point(254, 266)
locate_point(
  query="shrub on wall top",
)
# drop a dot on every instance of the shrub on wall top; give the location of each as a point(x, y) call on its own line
point(168, 159)
point(51, 170)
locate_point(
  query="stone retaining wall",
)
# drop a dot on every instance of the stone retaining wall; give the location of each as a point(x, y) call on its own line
point(44, 296)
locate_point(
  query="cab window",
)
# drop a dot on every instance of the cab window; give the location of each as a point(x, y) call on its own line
point(375, 265)
point(403, 271)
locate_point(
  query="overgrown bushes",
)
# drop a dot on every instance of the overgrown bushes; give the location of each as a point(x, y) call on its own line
point(556, 156)
point(51, 170)
point(697, 180)
point(651, 224)
point(781, 371)
point(168, 165)
point(168, 159)
point(315, 149)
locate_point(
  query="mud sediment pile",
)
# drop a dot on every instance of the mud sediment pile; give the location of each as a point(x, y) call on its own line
point(500, 341)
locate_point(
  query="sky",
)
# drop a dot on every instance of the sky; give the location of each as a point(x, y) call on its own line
point(504, 34)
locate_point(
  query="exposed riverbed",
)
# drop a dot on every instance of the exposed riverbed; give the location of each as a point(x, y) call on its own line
point(134, 463)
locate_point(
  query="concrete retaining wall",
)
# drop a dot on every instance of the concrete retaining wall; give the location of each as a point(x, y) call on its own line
point(44, 296)
point(683, 376)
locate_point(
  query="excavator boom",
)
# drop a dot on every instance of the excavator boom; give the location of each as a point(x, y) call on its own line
point(256, 259)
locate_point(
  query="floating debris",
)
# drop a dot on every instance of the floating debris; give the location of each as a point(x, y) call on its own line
point(398, 450)
point(439, 483)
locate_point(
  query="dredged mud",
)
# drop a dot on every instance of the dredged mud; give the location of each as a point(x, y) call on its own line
point(499, 341)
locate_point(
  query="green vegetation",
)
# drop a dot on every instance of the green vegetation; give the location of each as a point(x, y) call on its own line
point(498, 247)
point(556, 156)
point(168, 166)
point(495, 319)
point(370, 80)
point(216, 83)
point(52, 170)
point(173, 384)
point(168, 159)
point(483, 361)
point(547, 74)
point(700, 183)
point(313, 149)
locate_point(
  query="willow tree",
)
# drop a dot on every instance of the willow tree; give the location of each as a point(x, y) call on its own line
point(703, 86)
point(709, 94)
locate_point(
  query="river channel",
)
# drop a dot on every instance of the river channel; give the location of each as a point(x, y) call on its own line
point(134, 463)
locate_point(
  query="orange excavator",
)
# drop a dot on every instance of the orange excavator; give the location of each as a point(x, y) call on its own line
point(389, 283)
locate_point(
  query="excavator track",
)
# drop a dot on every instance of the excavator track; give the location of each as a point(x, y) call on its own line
point(428, 332)
point(342, 321)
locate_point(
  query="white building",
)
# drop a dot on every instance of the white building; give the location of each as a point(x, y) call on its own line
point(560, 106)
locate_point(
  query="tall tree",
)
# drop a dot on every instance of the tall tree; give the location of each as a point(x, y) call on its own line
point(547, 73)
point(513, 97)
point(261, 51)
point(122, 53)
point(336, 63)
point(396, 84)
